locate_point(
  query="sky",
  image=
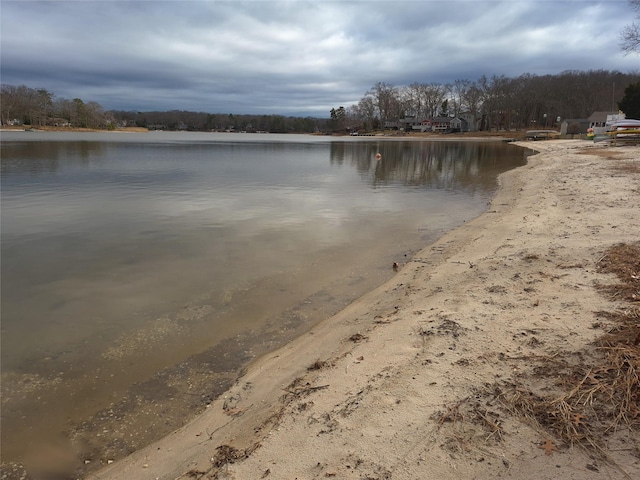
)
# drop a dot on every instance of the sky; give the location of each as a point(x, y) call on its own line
point(294, 57)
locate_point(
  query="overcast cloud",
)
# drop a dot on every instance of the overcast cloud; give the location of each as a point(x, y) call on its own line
point(294, 57)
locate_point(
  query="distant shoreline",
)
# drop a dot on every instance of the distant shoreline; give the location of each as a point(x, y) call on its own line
point(27, 128)
point(478, 135)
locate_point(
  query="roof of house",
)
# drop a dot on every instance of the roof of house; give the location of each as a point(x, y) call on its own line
point(601, 116)
point(444, 119)
point(577, 120)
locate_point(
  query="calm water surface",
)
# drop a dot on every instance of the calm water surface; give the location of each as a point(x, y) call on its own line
point(141, 272)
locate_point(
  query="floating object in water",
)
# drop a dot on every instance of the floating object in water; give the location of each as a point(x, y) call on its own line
point(378, 156)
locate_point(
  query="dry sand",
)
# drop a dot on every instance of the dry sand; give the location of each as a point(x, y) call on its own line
point(405, 383)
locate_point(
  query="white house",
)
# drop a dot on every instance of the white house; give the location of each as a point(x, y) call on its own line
point(599, 120)
point(446, 124)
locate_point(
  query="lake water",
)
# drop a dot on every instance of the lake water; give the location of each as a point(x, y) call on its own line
point(141, 272)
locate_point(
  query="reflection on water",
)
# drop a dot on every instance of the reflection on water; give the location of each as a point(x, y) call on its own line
point(441, 165)
point(136, 268)
point(45, 157)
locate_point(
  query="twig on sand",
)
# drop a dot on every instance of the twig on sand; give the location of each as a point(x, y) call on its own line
point(304, 390)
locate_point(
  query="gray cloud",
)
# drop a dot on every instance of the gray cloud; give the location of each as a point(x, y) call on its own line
point(293, 57)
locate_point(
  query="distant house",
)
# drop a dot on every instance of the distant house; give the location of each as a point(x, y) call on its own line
point(470, 122)
point(599, 120)
point(446, 124)
point(571, 126)
point(407, 123)
point(411, 123)
point(438, 124)
point(58, 122)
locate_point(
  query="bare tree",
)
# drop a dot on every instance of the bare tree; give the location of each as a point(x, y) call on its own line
point(64, 108)
point(354, 117)
point(472, 98)
point(25, 104)
point(458, 90)
point(94, 115)
point(411, 100)
point(367, 111)
point(44, 106)
point(433, 94)
point(10, 104)
point(385, 99)
point(630, 35)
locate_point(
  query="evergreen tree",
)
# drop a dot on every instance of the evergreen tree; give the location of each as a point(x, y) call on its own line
point(630, 103)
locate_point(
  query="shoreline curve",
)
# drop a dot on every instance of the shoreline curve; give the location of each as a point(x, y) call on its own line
point(363, 392)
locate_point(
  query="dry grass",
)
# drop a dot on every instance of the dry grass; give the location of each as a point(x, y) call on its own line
point(603, 152)
point(317, 365)
point(629, 167)
point(623, 260)
point(623, 165)
point(598, 390)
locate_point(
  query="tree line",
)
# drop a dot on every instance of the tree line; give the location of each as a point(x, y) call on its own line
point(22, 105)
point(200, 121)
point(39, 107)
point(495, 103)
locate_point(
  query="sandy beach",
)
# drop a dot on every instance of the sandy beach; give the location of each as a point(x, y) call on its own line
point(446, 370)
